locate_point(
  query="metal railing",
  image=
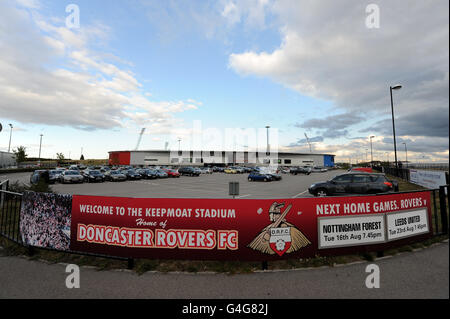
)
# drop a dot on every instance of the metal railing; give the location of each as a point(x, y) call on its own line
point(403, 173)
point(10, 206)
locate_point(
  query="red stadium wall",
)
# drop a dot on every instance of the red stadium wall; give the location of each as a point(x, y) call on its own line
point(119, 158)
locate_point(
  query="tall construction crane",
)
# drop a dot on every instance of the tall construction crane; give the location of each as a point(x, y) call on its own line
point(307, 140)
point(139, 139)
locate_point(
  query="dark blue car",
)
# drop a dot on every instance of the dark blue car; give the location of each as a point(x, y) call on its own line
point(256, 176)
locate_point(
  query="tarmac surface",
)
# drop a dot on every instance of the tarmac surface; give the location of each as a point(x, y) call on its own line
point(205, 186)
point(421, 274)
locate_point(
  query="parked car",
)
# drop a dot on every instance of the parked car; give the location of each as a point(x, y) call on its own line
point(275, 176)
point(206, 170)
point(147, 173)
point(160, 173)
point(115, 176)
point(256, 176)
point(318, 169)
point(92, 176)
point(54, 175)
point(131, 174)
point(300, 170)
point(71, 176)
point(363, 169)
point(172, 173)
point(354, 183)
point(239, 170)
point(230, 170)
point(189, 171)
point(40, 174)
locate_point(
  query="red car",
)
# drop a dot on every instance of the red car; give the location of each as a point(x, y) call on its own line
point(363, 169)
point(172, 173)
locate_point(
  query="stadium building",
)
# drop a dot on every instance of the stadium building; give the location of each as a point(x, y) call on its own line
point(7, 159)
point(218, 158)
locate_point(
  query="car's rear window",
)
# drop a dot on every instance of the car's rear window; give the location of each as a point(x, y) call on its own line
point(361, 179)
point(343, 178)
point(378, 178)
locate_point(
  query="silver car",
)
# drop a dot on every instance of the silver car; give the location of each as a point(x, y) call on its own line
point(116, 176)
point(71, 176)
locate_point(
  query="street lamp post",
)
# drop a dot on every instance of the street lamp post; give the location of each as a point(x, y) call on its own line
point(395, 87)
point(406, 152)
point(267, 151)
point(371, 152)
point(40, 144)
point(10, 133)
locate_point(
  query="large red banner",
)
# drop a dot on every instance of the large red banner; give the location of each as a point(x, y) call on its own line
point(246, 229)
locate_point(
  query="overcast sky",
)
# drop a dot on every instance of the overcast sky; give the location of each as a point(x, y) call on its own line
point(303, 67)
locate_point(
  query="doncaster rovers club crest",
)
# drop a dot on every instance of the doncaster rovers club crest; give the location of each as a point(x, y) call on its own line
point(279, 237)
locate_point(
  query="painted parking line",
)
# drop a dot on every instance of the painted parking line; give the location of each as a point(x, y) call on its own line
point(299, 194)
point(242, 196)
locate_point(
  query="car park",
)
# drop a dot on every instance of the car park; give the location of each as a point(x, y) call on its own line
point(256, 176)
point(71, 176)
point(354, 183)
point(93, 176)
point(115, 176)
point(188, 171)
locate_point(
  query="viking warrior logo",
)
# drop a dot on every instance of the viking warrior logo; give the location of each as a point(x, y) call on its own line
point(280, 236)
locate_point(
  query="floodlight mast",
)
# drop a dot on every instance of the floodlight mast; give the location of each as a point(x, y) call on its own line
point(307, 140)
point(139, 139)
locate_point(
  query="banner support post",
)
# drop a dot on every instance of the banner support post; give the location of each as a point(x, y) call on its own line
point(264, 265)
point(130, 263)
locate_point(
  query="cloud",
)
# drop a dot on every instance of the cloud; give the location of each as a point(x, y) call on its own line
point(31, 4)
point(327, 52)
point(304, 141)
point(251, 12)
point(332, 126)
point(86, 91)
point(426, 123)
